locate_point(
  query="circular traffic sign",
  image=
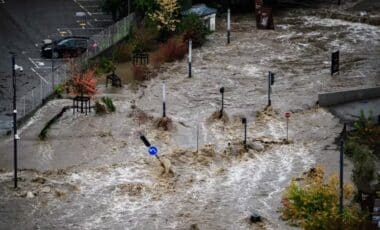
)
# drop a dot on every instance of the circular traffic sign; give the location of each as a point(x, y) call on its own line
point(152, 150)
point(287, 114)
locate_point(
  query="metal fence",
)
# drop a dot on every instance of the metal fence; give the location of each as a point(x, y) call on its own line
point(35, 98)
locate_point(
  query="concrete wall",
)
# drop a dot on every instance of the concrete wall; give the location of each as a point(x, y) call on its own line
point(329, 99)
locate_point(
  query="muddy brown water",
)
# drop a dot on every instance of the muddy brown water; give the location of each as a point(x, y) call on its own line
point(110, 182)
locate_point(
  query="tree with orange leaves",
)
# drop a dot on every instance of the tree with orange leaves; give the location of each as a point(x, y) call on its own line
point(82, 83)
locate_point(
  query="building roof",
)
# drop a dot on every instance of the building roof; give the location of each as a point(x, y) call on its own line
point(200, 10)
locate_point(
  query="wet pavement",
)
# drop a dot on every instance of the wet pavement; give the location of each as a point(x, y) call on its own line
point(107, 180)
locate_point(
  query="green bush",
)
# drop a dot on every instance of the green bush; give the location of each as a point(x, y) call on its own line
point(192, 27)
point(109, 104)
point(58, 89)
point(145, 6)
point(364, 164)
point(105, 66)
point(312, 203)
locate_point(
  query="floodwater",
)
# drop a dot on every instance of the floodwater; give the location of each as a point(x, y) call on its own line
point(108, 179)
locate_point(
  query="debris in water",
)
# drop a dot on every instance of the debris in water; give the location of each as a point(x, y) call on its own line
point(39, 180)
point(215, 116)
point(164, 123)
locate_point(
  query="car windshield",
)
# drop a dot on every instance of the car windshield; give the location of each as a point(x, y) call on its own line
point(66, 42)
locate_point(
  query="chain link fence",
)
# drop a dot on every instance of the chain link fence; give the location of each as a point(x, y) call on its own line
point(28, 103)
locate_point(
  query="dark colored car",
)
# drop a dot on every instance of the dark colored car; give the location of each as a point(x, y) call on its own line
point(65, 47)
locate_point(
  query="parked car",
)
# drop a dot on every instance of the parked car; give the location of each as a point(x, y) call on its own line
point(66, 47)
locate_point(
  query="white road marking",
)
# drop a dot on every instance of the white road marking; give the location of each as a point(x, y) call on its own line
point(31, 60)
point(98, 13)
point(42, 78)
point(80, 5)
point(103, 20)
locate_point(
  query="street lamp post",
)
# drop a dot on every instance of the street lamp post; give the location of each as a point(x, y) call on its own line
point(15, 136)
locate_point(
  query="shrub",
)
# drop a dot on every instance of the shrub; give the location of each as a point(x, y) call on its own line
point(192, 27)
point(140, 72)
point(144, 6)
point(106, 66)
point(364, 165)
point(109, 104)
point(82, 83)
point(313, 204)
point(58, 89)
point(172, 50)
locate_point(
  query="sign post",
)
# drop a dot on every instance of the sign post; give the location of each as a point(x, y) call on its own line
point(287, 116)
point(221, 90)
point(270, 83)
point(152, 150)
point(190, 56)
point(334, 62)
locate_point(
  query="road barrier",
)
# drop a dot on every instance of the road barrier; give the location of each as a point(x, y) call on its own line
point(336, 98)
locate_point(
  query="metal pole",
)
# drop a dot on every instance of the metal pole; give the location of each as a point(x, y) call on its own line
point(287, 128)
point(15, 136)
point(52, 73)
point(190, 56)
point(341, 178)
point(197, 136)
point(228, 26)
point(163, 101)
point(41, 91)
point(244, 121)
point(269, 88)
point(221, 111)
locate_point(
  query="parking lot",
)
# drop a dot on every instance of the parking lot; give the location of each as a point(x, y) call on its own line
point(24, 25)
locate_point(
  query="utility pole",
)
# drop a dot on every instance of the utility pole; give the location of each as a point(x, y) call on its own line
point(270, 83)
point(15, 136)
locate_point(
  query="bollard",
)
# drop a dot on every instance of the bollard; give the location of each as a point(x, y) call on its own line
point(228, 26)
point(270, 83)
point(221, 90)
point(163, 101)
point(244, 121)
point(190, 56)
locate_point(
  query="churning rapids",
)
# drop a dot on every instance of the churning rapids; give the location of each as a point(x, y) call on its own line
point(108, 181)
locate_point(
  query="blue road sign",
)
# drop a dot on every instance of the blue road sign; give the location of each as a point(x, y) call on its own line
point(153, 150)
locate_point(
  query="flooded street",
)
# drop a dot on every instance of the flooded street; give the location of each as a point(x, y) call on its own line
point(107, 180)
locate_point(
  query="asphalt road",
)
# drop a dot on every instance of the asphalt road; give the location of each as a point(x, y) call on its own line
point(24, 24)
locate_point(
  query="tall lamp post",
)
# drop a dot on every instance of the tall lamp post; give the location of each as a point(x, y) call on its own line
point(15, 135)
